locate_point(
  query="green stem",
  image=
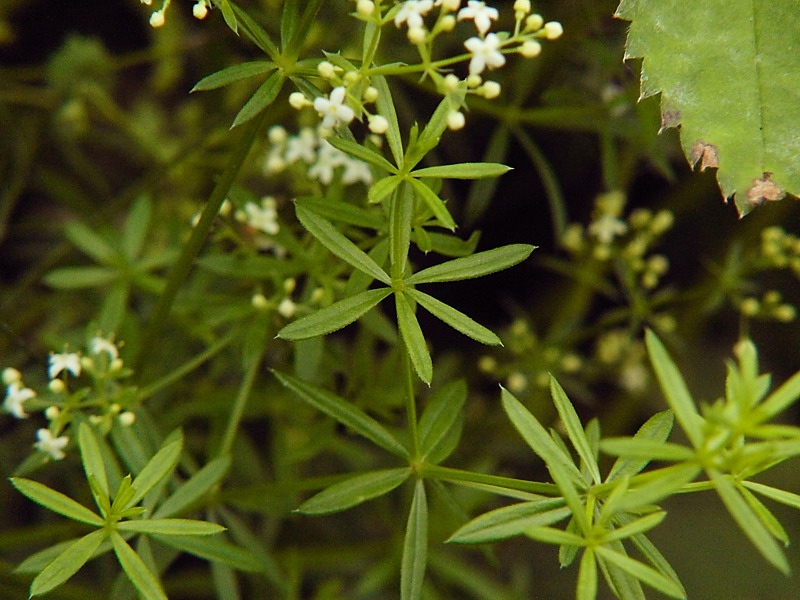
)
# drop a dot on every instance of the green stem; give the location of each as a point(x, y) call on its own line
point(184, 369)
point(458, 475)
point(238, 406)
point(183, 265)
point(411, 404)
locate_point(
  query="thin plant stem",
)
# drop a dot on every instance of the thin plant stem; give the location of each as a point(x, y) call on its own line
point(182, 267)
point(411, 403)
point(185, 368)
point(457, 475)
point(239, 404)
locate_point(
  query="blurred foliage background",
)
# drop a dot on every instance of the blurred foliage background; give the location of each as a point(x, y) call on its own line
point(95, 110)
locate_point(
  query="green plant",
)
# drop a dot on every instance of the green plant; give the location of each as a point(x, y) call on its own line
point(246, 405)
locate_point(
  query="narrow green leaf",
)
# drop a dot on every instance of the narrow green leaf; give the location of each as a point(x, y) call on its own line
point(299, 35)
point(333, 240)
point(510, 521)
point(658, 485)
point(429, 138)
point(572, 424)
point(748, 521)
point(779, 400)
point(56, 501)
point(636, 527)
point(92, 460)
point(565, 474)
point(382, 188)
point(170, 527)
point(769, 520)
point(674, 387)
point(587, 577)
point(414, 340)
point(229, 15)
point(463, 171)
point(415, 546)
point(290, 13)
point(361, 152)
point(66, 564)
point(134, 232)
point(195, 488)
point(434, 203)
point(655, 558)
point(450, 245)
point(354, 491)
point(477, 265)
point(37, 561)
point(343, 412)
point(345, 212)
point(647, 449)
point(657, 428)
point(385, 107)
point(232, 74)
point(263, 97)
point(334, 317)
point(70, 278)
point(441, 414)
point(558, 537)
point(157, 468)
point(90, 243)
point(401, 214)
point(782, 496)
point(642, 572)
point(213, 549)
point(456, 319)
point(140, 576)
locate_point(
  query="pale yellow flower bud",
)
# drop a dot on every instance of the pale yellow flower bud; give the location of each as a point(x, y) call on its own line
point(371, 94)
point(553, 30)
point(530, 49)
point(456, 120)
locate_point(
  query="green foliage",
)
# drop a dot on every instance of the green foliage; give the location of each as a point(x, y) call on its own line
point(726, 76)
point(225, 380)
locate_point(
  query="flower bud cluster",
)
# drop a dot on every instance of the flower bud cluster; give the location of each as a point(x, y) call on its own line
point(611, 237)
point(158, 18)
point(102, 399)
point(315, 157)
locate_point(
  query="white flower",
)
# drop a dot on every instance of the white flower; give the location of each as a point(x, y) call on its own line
point(11, 375)
point(100, 344)
point(327, 161)
point(481, 14)
point(378, 124)
point(157, 19)
point(287, 308)
point(606, 228)
point(553, 30)
point(485, 53)
point(54, 446)
point(456, 120)
point(530, 48)
point(356, 170)
point(298, 100)
point(450, 5)
point(490, 90)
point(16, 395)
point(66, 361)
point(263, 218)
point(302, 146)
point(333, 110)
point(200, 10)
point(411, 13)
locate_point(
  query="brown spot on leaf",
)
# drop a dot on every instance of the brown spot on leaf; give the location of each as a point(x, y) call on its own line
point(704, 156)
point(670, 118)
point(764, 189)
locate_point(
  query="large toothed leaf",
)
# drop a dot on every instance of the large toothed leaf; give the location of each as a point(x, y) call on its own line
point(727, 71)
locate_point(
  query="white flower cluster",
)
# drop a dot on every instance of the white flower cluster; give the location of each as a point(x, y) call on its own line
point(102, 360)
point(321, 160)
point(158, 17)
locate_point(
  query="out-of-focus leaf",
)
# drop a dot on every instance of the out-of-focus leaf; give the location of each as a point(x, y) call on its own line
point(727, 71)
